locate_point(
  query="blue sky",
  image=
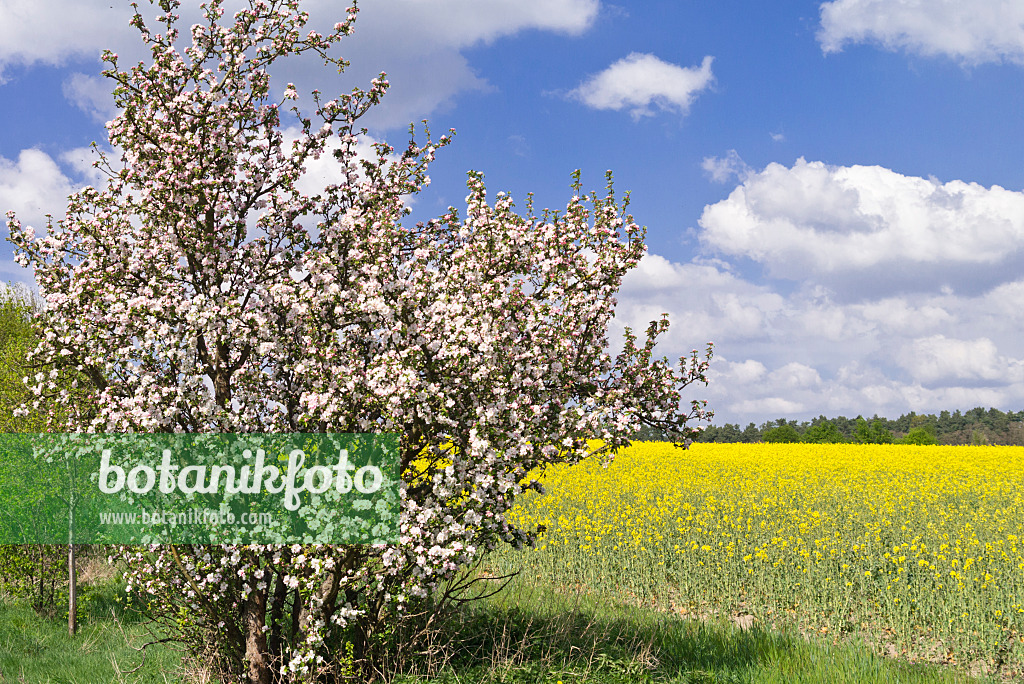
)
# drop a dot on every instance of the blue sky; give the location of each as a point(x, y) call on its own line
point(833, 191)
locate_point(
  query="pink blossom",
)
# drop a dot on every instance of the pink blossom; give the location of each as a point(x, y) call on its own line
point(478, 337)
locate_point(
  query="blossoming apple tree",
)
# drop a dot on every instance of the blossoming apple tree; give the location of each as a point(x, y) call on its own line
point(199, 290)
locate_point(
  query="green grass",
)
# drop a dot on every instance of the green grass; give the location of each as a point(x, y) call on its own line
point(530, 633)
point(914, 550)
point(537, 634)
point(36, 650)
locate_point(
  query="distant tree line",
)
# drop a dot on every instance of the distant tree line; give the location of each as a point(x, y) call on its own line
point(978, 426)
point(38, 572)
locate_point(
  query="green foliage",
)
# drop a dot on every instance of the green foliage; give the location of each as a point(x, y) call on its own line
point(976, 426)
point(751, 434)
point(823, 433)
point(37, 572)
point(725, 433)
point(538, 631)
point(783, 434)
point(730, 433)
point(108, 647)
point(875, 433)
point(17, 339)
point(534, 632)
point(920, 435)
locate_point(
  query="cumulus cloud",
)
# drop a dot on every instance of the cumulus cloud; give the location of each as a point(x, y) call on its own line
point(462, 23)
point(705, 301)
point(896, 315)
point(938, 359)
point(641, 82)
point(317, 174)
point(92, 95)
point(871, 225)
point(745, 372)
point(852, 391)
point(801, 351)
point(33, 186)
point(740, 389)
point(777, 406)
point(80, 161)
point(794, 375)
point(419, 44)
point(724, 169)
point(971, 31)
point(53, 31)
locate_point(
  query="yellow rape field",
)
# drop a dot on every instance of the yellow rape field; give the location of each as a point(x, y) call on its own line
point(916, 549)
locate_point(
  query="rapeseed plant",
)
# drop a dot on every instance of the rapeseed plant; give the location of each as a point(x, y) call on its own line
point(917, 547)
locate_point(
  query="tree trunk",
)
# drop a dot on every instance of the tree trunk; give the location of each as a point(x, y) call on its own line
point(72, 569)
point(257, 655)
point(278, 600)
point(72, 592)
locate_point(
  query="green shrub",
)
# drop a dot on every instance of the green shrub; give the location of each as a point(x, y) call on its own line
point(783, 434)
point(823, 433)
point(919, 436)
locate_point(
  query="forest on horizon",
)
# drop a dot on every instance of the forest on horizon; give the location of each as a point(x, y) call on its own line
point(978, 426)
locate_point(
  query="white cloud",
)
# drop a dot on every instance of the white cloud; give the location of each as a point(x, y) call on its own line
point(745, 372)
point(870, 224)
point(971, 31)
point(865, 391)
point(462, 23)
point(91, 94)
point(518, 144)
point(317, 174)
point(896, 315)
point(777, 406)
point(705, 301)
point(33, 186)
point(419, 44)
point(794, 375)
point(639, 82)
point(940, 359)
point(724, 169)
point(80, 160)
point(52, 31)
point(802, 351)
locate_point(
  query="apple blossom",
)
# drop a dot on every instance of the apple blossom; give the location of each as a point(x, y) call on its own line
point(201, 291)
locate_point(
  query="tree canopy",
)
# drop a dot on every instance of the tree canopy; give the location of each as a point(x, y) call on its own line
point(199, 290)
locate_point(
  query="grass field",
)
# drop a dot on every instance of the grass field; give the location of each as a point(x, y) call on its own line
point(538, 634)
point(758, 564)
point(913, 550)
point(533, 633)
point(36, 650)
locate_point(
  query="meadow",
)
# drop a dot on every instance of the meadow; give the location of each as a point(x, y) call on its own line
point(914, 552)
point(757, 563)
